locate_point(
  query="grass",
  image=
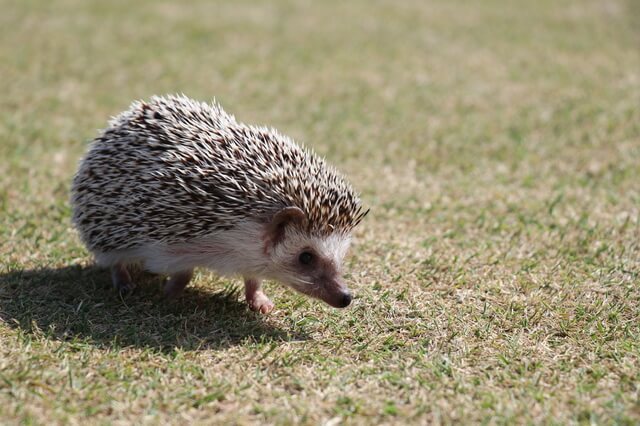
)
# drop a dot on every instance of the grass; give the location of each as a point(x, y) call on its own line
point(497, 275)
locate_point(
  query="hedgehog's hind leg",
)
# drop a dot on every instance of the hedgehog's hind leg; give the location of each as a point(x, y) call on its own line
point(176, 284)
point(121, 278)
point(256, 299)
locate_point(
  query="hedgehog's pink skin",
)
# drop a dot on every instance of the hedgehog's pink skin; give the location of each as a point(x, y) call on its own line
point(257, 300)
point(174, 184)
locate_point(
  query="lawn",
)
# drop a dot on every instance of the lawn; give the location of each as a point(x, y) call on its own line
point(497, 276)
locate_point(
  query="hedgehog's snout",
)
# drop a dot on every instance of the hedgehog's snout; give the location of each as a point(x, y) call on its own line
point(346, 300)
point(340, 299)
point(335, 293)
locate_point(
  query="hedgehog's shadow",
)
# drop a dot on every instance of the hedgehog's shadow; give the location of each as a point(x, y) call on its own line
point(76, 303)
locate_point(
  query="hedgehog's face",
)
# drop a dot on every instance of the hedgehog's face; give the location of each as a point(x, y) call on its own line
point(309, 264)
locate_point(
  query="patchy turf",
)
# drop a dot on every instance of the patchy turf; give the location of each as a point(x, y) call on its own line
point(497, 275)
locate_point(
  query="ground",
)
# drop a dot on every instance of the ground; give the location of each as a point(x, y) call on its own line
point(497, 276)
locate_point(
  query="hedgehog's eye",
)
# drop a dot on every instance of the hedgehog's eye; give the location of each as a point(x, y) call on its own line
point(305, 258)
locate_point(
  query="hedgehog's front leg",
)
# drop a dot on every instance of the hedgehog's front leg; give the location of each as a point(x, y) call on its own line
point(176, 284)
point(121, 279)
point(256, 299)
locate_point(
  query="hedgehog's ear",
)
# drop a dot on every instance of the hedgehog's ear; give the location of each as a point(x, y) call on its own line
point(285, 217)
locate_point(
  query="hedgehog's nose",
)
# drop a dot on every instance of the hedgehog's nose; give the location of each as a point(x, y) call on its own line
point(346, 300)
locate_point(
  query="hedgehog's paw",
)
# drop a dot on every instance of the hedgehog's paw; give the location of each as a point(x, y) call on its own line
point(260, 303)
point(256, 299)
point(176, 284)
point(121, 279)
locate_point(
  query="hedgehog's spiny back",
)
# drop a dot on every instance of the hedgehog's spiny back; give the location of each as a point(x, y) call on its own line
point(174, 169)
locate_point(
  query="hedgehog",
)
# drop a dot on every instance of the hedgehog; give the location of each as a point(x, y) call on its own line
point(174, 184)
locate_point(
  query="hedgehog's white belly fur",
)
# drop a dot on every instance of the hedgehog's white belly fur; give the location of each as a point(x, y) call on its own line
point(230, 252)
point(238, 251)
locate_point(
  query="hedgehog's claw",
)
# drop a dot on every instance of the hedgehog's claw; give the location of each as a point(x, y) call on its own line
point(256, 299)
point(176, 284)
point(121, 279)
